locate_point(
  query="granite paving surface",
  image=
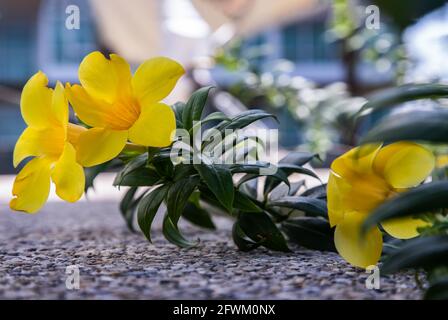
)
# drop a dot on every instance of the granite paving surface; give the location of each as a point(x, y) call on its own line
point(114, 263)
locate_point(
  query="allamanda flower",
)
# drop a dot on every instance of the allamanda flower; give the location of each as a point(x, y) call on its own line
point(119, 106)
point(362, 179)
point(50, 140)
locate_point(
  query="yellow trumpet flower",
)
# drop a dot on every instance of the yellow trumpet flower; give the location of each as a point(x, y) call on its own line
point(121, 106)
point(50, 140)
point(362, 179)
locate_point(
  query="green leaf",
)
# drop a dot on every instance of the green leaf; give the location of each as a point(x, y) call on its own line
point(178, 109)
point(250, 188)
point(172, 234)
point(421, 199)
point(318, 192)
point(163, 165)
point(311, 206)
point(394, 96)
point(430, 125)
point(219, 180)
point(215, 116)
point(194, 107)
point(198, 216)
point(244, 203)
point(141, 177)
point(312, 233)
point(148, 207)
point(286, 169)
point(299, 158)
point(241, 240)
point(134, 164)
point(178, 195)
point(182, 171)
point(438, 290)
point(424, 252)
point(127, 207)
point(246, 118)
point(259, 227)
point(272, 179)
point(292, 168)
point(283, 190)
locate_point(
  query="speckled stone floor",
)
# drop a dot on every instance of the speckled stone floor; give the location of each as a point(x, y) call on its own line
point(117, 264)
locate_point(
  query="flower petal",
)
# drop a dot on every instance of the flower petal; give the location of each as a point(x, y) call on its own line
point(90, 111)
point(98, 145)
point(358, 160)
point(39, 142)
point(68, 175)
point(36, 102)
point(155, 79)
point(104, 79)
point(31, 186)
point(335, 203)
point(403, 228)
point(358, 251)
point(404, 164)
point(59, 105)
point(154, 127)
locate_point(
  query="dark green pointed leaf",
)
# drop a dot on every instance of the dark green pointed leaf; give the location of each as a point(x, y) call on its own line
point(215, 116)
point(182, 171)
point(312, 233)
point(219, 180)
point(422, 199)
point(198, 216)
point(178, 195)
point(259, 227)
point(249, 168)
point(292, 168)
point(163, 165)
point(311, 206)
point(299, 158)
point(127, 207)
point(178, 109)
point(246, 118)
point(148, 207)
point(318, 192)
point(194, 107)
point(244, 203)
point(283, 190)
point(286, 169)
point(134, 164)
point(394, 96)
point(140, 177)
point(424, 252)
point(173, 235)
point(430, 126)
point(241, 240)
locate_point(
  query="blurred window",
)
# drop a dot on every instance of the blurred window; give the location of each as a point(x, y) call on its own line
point(61, 49)
point(305, 42)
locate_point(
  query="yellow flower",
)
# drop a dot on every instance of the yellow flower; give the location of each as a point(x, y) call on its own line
point(362, 179)
point(442, 161)
point(49, 139)
point(119, 106)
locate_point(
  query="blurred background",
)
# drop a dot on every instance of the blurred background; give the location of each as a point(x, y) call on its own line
point(310, 62)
